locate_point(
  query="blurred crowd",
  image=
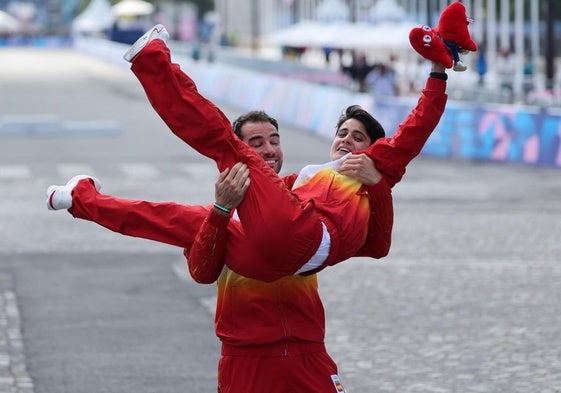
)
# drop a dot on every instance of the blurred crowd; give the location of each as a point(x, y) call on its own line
point(396, 77)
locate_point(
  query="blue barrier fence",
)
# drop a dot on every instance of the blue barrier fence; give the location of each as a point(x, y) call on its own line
point(513, 134)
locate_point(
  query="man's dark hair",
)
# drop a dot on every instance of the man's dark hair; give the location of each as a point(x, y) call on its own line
point(373, 128)
point(253, 117)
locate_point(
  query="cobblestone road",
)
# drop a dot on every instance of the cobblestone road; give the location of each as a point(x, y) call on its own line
point(13, 370)
point(469, 299)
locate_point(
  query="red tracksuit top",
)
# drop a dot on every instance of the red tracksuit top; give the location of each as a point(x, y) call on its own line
point(281, 318)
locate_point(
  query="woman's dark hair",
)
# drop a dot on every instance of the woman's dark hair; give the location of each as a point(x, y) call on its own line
point(253, 117)
point(373, 128)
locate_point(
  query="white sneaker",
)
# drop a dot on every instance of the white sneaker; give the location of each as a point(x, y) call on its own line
point(158, 32)
point(459, 66)
point(60, 197)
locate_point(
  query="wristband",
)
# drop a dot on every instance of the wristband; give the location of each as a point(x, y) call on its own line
point(439, 75)
point(222, 208)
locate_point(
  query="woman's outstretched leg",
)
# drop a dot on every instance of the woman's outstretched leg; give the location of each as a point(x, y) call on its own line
point(189, 115)
point(165, 222)
point(275, 222)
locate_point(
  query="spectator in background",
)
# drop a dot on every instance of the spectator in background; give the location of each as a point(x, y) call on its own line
point(505, 70)
point(481, 66)
point(527, 75)
point(556, 85)
point(358, 70)
point(326, 54)
point(415, 75)
point(382, 81)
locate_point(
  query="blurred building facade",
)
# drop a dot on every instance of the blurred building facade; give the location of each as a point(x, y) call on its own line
point(516, 25)
point(247, 20)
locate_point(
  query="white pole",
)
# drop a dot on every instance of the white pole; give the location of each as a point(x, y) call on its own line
point(491, 34)
point(415, 10)
point(469, 8)
point(423, 11)
point(519, 45)
point(535, 36)
point(478, 26)
point(505, 42)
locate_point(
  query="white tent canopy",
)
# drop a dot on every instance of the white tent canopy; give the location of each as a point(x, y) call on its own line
point(344, 35)
point(8, 24)
point(386, 35)
point(303, 34)
point(97, 17)
point(386, 11)
point(125, 8)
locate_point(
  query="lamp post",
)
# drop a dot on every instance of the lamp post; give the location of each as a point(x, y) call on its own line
point(295, 11)
point(254, 17)
point(352, 11)
point(429, 12)
point(549, 44)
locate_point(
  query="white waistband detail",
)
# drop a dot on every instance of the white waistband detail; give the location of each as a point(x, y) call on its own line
point(321, 253)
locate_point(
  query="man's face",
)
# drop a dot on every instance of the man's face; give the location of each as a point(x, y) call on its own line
point(264, 138)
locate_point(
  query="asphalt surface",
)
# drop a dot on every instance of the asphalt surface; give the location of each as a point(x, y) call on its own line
point(469, 299)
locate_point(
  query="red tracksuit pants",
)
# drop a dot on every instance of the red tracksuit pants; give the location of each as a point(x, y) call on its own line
point(307, 373)
point(282, 230)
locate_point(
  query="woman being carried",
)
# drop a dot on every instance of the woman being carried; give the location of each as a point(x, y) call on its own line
point(324, 219)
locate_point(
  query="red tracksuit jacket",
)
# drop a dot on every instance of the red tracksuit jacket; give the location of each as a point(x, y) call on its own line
point(281, 318)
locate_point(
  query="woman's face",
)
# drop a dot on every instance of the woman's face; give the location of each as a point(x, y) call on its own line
point(351, 136)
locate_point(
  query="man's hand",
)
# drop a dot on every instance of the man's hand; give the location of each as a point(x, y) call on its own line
point(362, 168)
point(231, 186)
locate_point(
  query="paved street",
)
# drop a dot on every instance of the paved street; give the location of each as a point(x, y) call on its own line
point(469, 299)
